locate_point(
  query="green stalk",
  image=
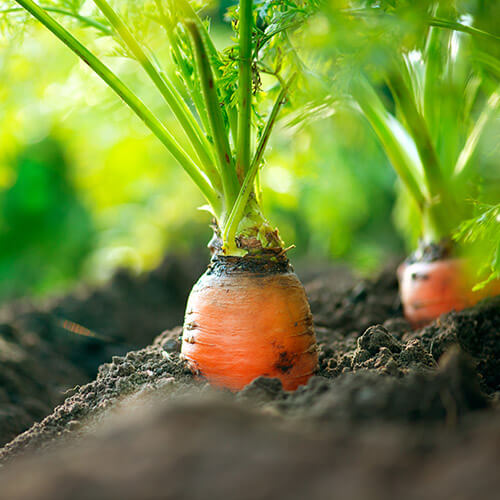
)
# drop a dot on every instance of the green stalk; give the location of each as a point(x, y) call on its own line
point(464, 159)
point(455, 26)
point(232, 114)
point(230, 182)
point(244, 88)
point(441, 211)
point(190, 13)
point(393, 138)
point(137, 106)
point(420, 133)
point(56, 10)
point(231, 227)
point(434, 68)
point(168, 91)
point(182, 66)
point(187, 12)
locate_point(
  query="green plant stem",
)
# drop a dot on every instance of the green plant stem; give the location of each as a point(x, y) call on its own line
point(190, 13)
point(393, 138)
point(419, 131)
point(464, 159)
point(244, 88)
point(231, 227)
point(182, 67)
point(455, 26)
point(56, 10)
point(137, 106)
point(169, 93)
point(230, 182)
point(434, 68)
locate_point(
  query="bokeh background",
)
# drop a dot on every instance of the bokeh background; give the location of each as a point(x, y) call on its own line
point(85, 187)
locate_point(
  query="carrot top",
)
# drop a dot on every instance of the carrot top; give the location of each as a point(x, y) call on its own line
point(217, 97)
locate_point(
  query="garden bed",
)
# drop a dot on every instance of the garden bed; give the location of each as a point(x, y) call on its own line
point(391, 412)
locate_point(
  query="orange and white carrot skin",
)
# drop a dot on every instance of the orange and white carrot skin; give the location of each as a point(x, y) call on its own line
point(241, 324)
point(429, 289)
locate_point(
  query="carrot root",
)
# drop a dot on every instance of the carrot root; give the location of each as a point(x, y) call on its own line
point(241, 324)
point(429, 289)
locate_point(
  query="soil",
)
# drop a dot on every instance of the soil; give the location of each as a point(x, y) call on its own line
point(42, 355)
point(391, 413)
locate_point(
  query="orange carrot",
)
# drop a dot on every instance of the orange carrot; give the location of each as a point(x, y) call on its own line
point(429, 289)
point(243, 321)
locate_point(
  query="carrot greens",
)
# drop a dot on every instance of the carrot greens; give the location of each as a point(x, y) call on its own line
point(217, 97)
point(425, 76)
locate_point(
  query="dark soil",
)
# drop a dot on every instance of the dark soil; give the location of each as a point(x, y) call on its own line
point(41, 356)
point(392, 413)
point(215, 449)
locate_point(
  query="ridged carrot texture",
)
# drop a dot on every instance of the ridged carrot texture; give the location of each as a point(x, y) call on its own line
point(246, 320)
point(429, 289)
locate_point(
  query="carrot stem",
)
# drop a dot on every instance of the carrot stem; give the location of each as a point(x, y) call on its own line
point(244, 88)
point(419, 131)
point(182, 67)
point(220, 137)
point(394, 139)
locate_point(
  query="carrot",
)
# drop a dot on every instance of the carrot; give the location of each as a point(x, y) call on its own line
point(248, 315)
point(429, 289)
point(246, 318)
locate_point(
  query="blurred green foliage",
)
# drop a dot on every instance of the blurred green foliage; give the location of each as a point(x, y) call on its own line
point(45, 231)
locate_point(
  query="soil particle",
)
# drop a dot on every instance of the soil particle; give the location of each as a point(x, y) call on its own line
point(262, 390)
point(377, 337)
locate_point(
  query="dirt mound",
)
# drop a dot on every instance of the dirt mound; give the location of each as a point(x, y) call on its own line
point(47, 349)
point(42, 355)
point(216, 449)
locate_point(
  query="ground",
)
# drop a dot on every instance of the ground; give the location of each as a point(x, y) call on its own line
point(391, 413)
